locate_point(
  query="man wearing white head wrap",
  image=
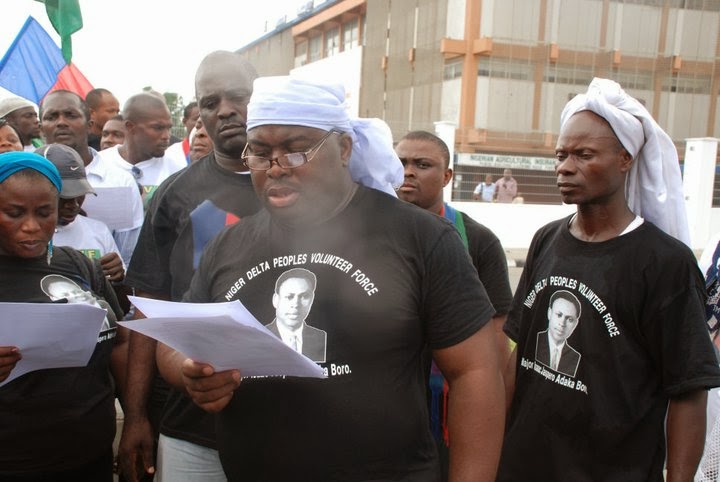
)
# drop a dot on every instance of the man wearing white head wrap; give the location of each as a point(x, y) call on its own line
point(293, 101)
point(654, 185)
point(643, 354)
point(394, 287)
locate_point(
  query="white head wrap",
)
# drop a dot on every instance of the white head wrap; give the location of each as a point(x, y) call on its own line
point(654, 185)
point(288, 100)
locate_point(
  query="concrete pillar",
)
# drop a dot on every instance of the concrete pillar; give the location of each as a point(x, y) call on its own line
point(445, 130)
point(698, 179)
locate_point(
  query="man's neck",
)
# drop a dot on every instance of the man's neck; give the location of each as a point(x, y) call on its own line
point(230, 162)
point(596, 223)
point(438, 208)
point(85, 154)
point(131, 155)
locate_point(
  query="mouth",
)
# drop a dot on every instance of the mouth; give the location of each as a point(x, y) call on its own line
point(281, 196)
point(230, 130)
point(67, 217)
point(408, 187)
point(565, 186)
point(33, 247)
point(62, 134)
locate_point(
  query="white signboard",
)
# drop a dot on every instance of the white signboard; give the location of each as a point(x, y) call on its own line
point(502, 162)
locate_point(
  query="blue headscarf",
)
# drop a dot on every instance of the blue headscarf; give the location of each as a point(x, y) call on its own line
point(12, 162)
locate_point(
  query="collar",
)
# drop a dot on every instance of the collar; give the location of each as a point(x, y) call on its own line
point(286, 334)
point(96, 166)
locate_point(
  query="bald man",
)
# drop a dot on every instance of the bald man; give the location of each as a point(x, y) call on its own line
point(147, 136)
point(186, 212)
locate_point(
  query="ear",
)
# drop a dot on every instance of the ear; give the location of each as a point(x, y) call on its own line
point(345, 149)
point(447, 176)
point(626, 161)
point(275, 300)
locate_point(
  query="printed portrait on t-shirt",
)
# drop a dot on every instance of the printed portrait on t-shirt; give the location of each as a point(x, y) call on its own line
point(292, 299)
point(552, 348)
point(58, 287)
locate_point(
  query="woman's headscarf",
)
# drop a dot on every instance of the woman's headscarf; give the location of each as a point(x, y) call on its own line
point(12, 162)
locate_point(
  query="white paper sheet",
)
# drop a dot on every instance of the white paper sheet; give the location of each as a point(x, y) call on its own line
point(109, 206)
point(224, 335)
point(49, 335)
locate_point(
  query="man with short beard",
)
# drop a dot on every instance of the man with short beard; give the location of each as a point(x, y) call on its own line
point(65, 119)
point(147, 136)
point(187, 210)
point(22, 115)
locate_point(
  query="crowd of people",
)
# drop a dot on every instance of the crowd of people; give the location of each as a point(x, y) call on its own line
point(338, 239)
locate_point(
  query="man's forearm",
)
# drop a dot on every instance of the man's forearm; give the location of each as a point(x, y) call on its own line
point(118, 362)
point(476, 406)
point(141, 372)
point(476, 422)
point(685, 435)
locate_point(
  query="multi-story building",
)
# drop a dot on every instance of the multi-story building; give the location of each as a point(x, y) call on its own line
point(502, 70)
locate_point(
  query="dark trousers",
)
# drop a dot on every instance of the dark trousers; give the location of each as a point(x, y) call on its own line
point(99, 470)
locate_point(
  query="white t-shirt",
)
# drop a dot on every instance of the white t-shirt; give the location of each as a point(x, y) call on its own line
point(104, 174)
point(150, 173)
point(176, 153)
point(90, 236)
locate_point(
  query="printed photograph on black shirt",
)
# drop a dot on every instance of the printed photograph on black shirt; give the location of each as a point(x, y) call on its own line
point(58, 287)
point(552, 348)
point(292, 299)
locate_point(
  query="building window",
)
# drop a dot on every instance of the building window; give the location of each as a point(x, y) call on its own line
point(350, 34)
point(332, 42)
point(315, 51)
point(453, 69)
point(573, 75)
point(633, 80)
point(504, 69)
point(301, 53)
point(685, 84)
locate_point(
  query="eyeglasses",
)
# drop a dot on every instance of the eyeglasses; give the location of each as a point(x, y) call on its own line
point(291, 160)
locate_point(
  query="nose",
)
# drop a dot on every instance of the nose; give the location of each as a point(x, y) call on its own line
point(227, 109)
point(69, 203)
point(565, 165)
point(31, 225)
point(408, 168)
point(61, 121)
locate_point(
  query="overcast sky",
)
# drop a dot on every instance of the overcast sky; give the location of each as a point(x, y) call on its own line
point(129, 44)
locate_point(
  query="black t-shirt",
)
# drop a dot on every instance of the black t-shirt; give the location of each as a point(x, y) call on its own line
point(640, 339)
point(56, 419)
point(393, 282)
point(185, 213)
point(490, 262)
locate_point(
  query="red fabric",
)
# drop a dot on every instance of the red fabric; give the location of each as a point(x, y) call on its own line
point(231, 219)
point(70, 78)
point(186, 146)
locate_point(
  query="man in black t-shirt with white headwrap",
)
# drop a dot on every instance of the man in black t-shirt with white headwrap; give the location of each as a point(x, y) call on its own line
point(394, 287)
point(644, 356)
